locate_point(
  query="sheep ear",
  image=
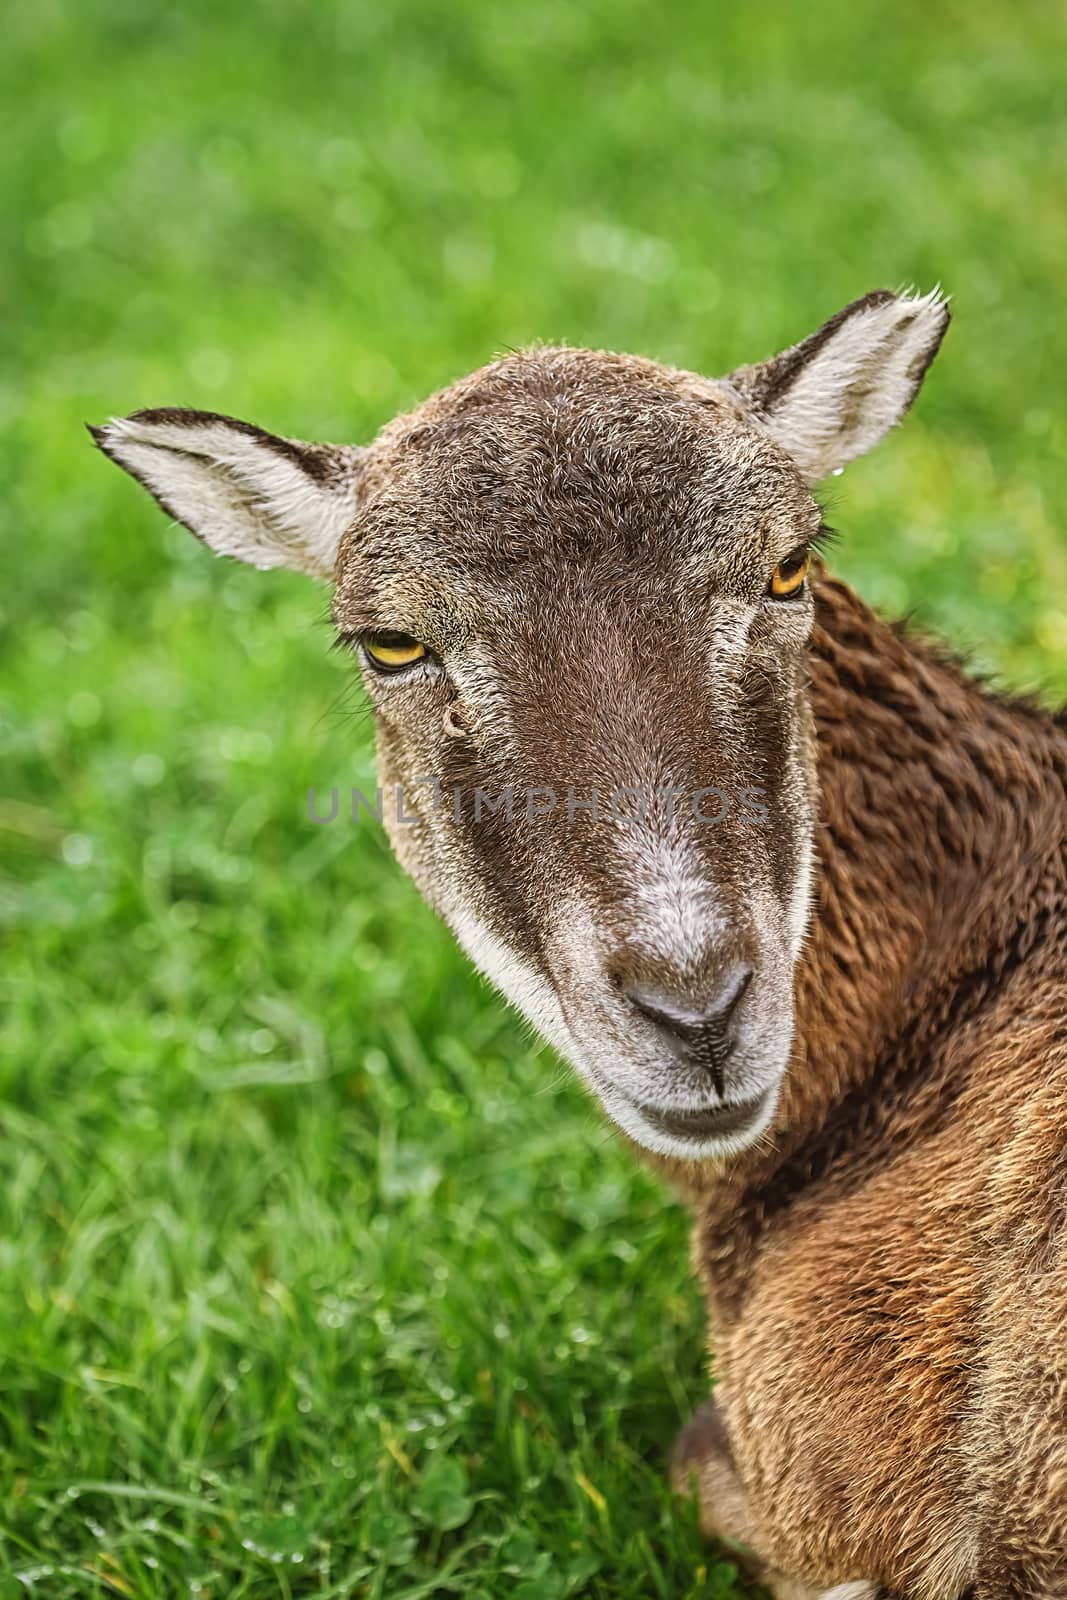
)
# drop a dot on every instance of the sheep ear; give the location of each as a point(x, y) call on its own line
point(269, 501)
point(834, 395)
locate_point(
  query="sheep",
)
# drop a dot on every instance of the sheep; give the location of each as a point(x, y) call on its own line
point(833, 1011)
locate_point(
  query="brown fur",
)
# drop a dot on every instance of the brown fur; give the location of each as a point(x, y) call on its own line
point(887, 1282)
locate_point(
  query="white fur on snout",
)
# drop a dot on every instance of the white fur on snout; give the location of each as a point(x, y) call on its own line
point(584, 1018)
point(621, 1058)
point(670, 906)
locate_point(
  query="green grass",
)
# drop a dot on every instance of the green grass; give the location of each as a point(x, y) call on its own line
point(317, 1278)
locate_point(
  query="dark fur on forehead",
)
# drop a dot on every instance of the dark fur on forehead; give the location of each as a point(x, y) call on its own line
point(554, 452)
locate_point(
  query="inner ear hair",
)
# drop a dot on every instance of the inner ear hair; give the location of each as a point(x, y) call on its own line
point(257, 496)
point(832, 397)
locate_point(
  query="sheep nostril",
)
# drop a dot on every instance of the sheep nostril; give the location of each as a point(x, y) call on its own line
point(670, 1011)
point(700, 1035)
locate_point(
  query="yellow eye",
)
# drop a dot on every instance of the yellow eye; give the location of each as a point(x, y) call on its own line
point(787, 579)
point(391, 652)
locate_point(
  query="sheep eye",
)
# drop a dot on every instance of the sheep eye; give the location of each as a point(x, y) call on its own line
point(787, 579)
point(392, 652)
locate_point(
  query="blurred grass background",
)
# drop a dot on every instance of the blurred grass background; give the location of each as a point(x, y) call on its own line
point(316, 1277)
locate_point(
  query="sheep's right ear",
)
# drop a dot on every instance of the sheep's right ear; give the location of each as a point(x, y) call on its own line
point(269, 501)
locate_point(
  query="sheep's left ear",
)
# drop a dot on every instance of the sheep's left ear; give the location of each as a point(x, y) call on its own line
point(834, 395)
point(270, 501)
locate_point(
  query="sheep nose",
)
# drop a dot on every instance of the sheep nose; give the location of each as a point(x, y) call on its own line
point(700, 1036)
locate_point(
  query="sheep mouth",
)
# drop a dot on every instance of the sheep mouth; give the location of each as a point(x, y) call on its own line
point(713, 1122)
